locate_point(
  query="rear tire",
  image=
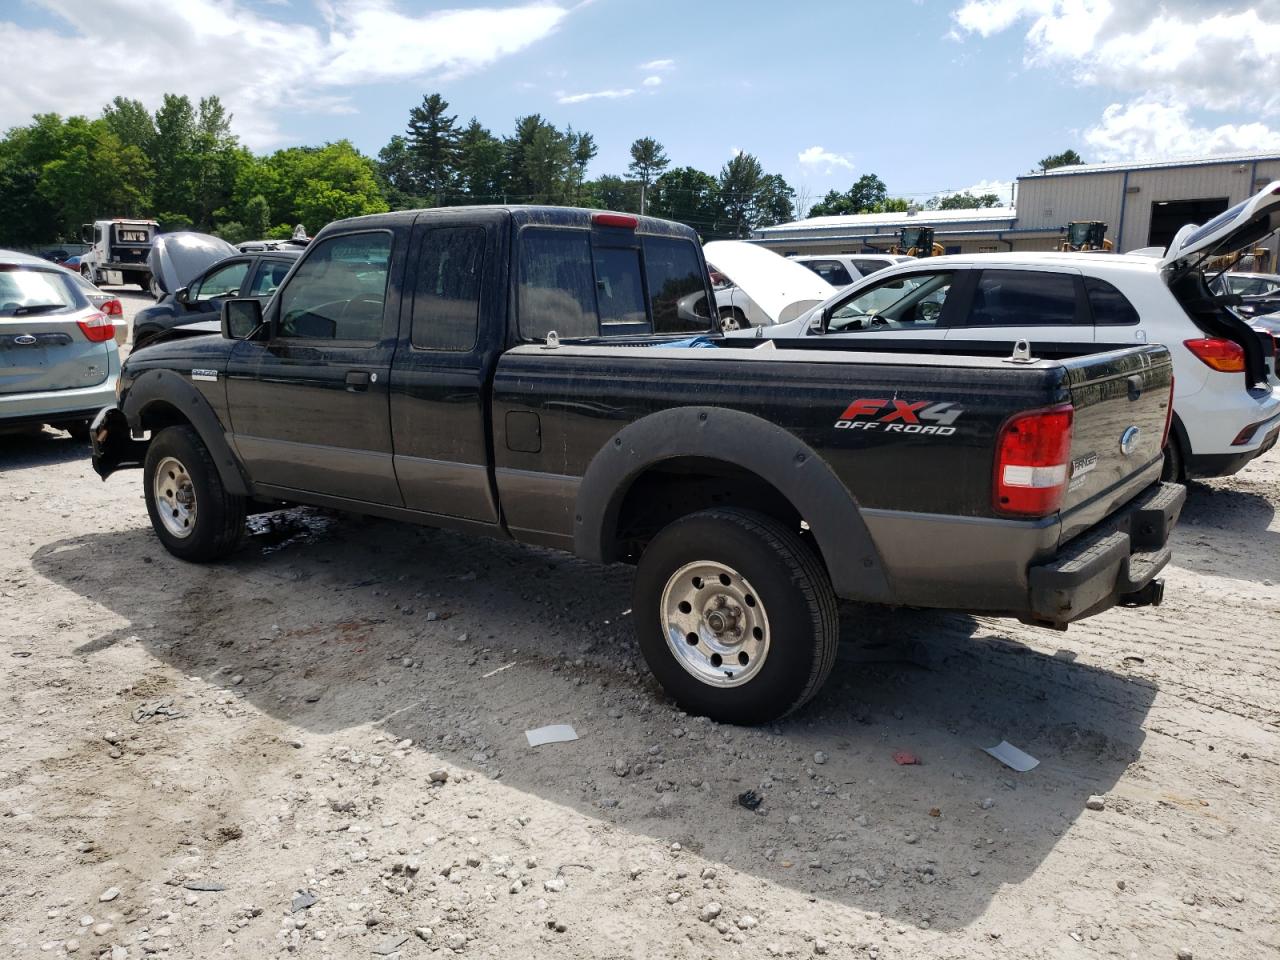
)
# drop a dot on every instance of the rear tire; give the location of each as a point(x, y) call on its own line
point(757, 605)
point(191, 511)
point(731, 318)
point(78, 429)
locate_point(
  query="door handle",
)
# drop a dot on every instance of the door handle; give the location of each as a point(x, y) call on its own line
point(357, 380)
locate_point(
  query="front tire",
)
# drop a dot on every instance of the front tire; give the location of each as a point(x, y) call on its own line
point(735, 616)
point(191, 511)
point(731, 318)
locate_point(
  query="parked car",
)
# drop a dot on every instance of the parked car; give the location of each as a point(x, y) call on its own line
point(1227, 402)
point(243, 275)
point(58, 357)
point(843, 269)
point(1259, 292)
point(539, 374)
point(782, 289)
point(108, 303)
point(178, 258)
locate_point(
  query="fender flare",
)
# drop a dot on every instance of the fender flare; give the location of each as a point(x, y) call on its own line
point(774, 454)
point(171, 388)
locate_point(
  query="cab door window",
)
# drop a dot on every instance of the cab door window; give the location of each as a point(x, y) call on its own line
point(338, 290)
point(910, 302)
point(269, 276)
point(446, 305)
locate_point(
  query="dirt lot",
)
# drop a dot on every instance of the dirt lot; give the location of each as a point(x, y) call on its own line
point(187, 748)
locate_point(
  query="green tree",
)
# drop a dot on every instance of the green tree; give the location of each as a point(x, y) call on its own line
point(480, 164)
point(131, 122)
point(433, 143)
point(611, 192)
point(648, 160)
point(539, 161)
point(775, 202)
point(688, 196)
point(171, 154)
point(740, 182)
point(396, 168)
point(338, 182)
point(94, 175)
point(584, 149)
point(1067, 158)
point(963, 201)
point(257, 217)
point(867, 194)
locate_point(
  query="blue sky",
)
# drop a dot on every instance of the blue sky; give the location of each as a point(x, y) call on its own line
point(932, 96)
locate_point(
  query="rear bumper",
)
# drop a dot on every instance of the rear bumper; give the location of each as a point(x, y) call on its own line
point(1205, 466)
point(55, 406)
point(1115, 562)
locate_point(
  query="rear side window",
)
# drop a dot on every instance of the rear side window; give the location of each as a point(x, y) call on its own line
point(832, 271)
point(1110, 307)
point(1023, 298)
point(26, 292)
point(270, 275)
point(870, 266)
point(557, 287)
point(446, 305)
point(677, 290)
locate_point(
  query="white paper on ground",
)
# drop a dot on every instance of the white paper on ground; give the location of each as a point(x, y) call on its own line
point(1012, 757)
point(556, 733)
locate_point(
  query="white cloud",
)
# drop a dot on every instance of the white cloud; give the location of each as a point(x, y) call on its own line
point(594, 95)
point(653, 65)
point(263, 69)
point(1209, 54)
point(1148, 128)
point(654, 81)
point(815, 158)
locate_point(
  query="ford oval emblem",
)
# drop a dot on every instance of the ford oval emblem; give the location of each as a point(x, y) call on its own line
point(24, 339)
point(1129, 440)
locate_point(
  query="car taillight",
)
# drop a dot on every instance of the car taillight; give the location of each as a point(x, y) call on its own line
point(1168, 418)
point(1033, 462)
point(97, 328)
point(113, 308)
point(1225, 356)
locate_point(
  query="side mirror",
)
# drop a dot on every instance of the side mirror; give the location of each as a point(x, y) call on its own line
point(183, 295)
point(240, 318)
point(86, 233)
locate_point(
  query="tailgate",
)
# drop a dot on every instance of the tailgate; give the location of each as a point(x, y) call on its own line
point(40, 353)
point(1121, 401)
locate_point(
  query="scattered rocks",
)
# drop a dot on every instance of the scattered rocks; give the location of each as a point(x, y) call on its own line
point(747, 922)
point(1184, 954)
point(438, 776)
point(108, 894)
point(819, 757)
point(709, 912)
point(673, 897)
point(1095, 802)
point(820, 947)
point(988, 803)
point(554, 885)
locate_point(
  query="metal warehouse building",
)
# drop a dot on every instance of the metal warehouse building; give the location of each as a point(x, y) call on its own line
point(1143, 204)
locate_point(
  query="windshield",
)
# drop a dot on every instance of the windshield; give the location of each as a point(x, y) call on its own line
point(24, 290)
point(903, 302)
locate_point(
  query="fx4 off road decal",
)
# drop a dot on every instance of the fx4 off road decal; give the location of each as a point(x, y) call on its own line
point(901, 416)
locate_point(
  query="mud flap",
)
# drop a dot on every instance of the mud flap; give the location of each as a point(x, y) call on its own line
point(113, 445)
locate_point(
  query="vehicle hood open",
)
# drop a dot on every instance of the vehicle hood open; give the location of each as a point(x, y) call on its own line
point(1241, 226)
point(178, 258)
point(781, 288)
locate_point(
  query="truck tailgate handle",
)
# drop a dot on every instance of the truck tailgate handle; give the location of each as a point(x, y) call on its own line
point(357, 380)
point(1135, 386)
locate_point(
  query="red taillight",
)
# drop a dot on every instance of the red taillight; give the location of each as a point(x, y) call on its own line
point(1225, 356)
point(622, 220)
point(113, 308)
point(97, 328)
point(1033, 462)
point(1168, 418)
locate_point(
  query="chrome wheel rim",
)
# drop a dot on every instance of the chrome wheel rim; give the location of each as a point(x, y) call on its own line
point(729, 322)
point(715, 624)
point(175, 497)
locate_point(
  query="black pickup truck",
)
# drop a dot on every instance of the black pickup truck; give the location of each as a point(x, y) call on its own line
point(549, 375)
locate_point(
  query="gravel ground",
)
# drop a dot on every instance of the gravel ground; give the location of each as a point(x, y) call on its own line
point(318, 747)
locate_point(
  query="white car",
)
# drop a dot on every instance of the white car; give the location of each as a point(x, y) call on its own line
point(780, 288)
point(840, 270)
point(1226, 397)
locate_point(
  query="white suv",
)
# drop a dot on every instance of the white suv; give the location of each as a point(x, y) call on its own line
point(1226, 395)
